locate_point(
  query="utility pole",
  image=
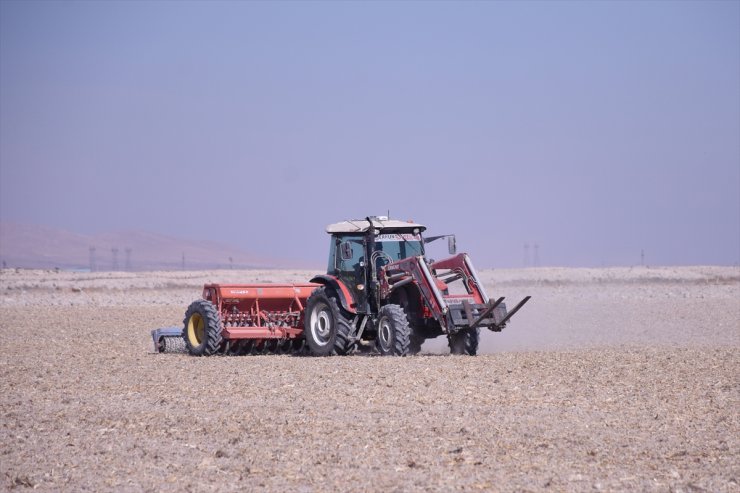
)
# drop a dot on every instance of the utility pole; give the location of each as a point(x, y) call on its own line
point(114, 251)
point(231, 263)
point(183, 260)
point(128, 260)
point(93, 267)
point(536, 255)
point(642, 257)
point(526, 255)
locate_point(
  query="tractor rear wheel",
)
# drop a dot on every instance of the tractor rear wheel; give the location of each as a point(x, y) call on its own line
point(326, 328)
point(394, 332)
point(202, 332)
point(464, 342)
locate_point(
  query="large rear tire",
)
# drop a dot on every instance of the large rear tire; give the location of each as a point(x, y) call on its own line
point(202, 331)
point(394, 332)
point(326, 328)
point(464, 342)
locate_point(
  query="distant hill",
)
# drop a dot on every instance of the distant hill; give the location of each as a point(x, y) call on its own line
point(32, 246)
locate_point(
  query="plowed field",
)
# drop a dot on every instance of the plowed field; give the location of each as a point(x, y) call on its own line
point(609, 379)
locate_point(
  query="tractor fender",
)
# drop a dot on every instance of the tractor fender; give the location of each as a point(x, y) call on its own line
point(345, 297)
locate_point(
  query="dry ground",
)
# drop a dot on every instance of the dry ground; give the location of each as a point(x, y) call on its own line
point(610, 379)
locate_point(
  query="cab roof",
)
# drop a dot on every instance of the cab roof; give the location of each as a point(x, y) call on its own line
point(381, 223)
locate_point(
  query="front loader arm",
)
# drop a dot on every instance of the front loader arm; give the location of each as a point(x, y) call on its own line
point(414, 270)
point(454, 312)
point(476, 309)
point(461, 267)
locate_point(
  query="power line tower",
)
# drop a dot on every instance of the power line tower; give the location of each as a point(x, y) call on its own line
point(183, 260)
point(231, 263)
point(128, 260)
point(536, 255)
point(93, 266)
point(526, 255)
point(114, 251)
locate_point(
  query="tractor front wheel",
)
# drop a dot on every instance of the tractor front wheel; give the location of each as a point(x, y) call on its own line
point(464, 342)
point(394, 332)
point(202, 332)
point(416, 341)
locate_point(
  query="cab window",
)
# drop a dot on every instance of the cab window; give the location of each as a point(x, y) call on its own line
point(353, 247)
point(396, 248)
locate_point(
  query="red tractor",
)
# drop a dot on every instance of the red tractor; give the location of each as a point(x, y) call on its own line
point(379, 286)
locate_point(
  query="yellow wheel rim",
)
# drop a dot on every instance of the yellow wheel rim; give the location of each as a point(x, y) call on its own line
point(196, 330)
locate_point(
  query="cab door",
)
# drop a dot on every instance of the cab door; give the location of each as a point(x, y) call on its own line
point(350, 267)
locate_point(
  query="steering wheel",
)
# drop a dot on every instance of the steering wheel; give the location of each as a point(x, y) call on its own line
point(382, 255)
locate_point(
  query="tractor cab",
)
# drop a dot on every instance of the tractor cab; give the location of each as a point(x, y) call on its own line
point(360, 248)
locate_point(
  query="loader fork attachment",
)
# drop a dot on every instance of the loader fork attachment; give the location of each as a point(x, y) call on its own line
point(481, 315)
point(515, 309)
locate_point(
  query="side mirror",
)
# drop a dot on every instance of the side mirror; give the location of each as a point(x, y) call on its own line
point(451, 245)
point(345, 250)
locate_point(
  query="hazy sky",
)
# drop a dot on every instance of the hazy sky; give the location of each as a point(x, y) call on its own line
point(594, 129)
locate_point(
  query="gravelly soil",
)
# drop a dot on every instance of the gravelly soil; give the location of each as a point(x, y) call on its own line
point(610, 380)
